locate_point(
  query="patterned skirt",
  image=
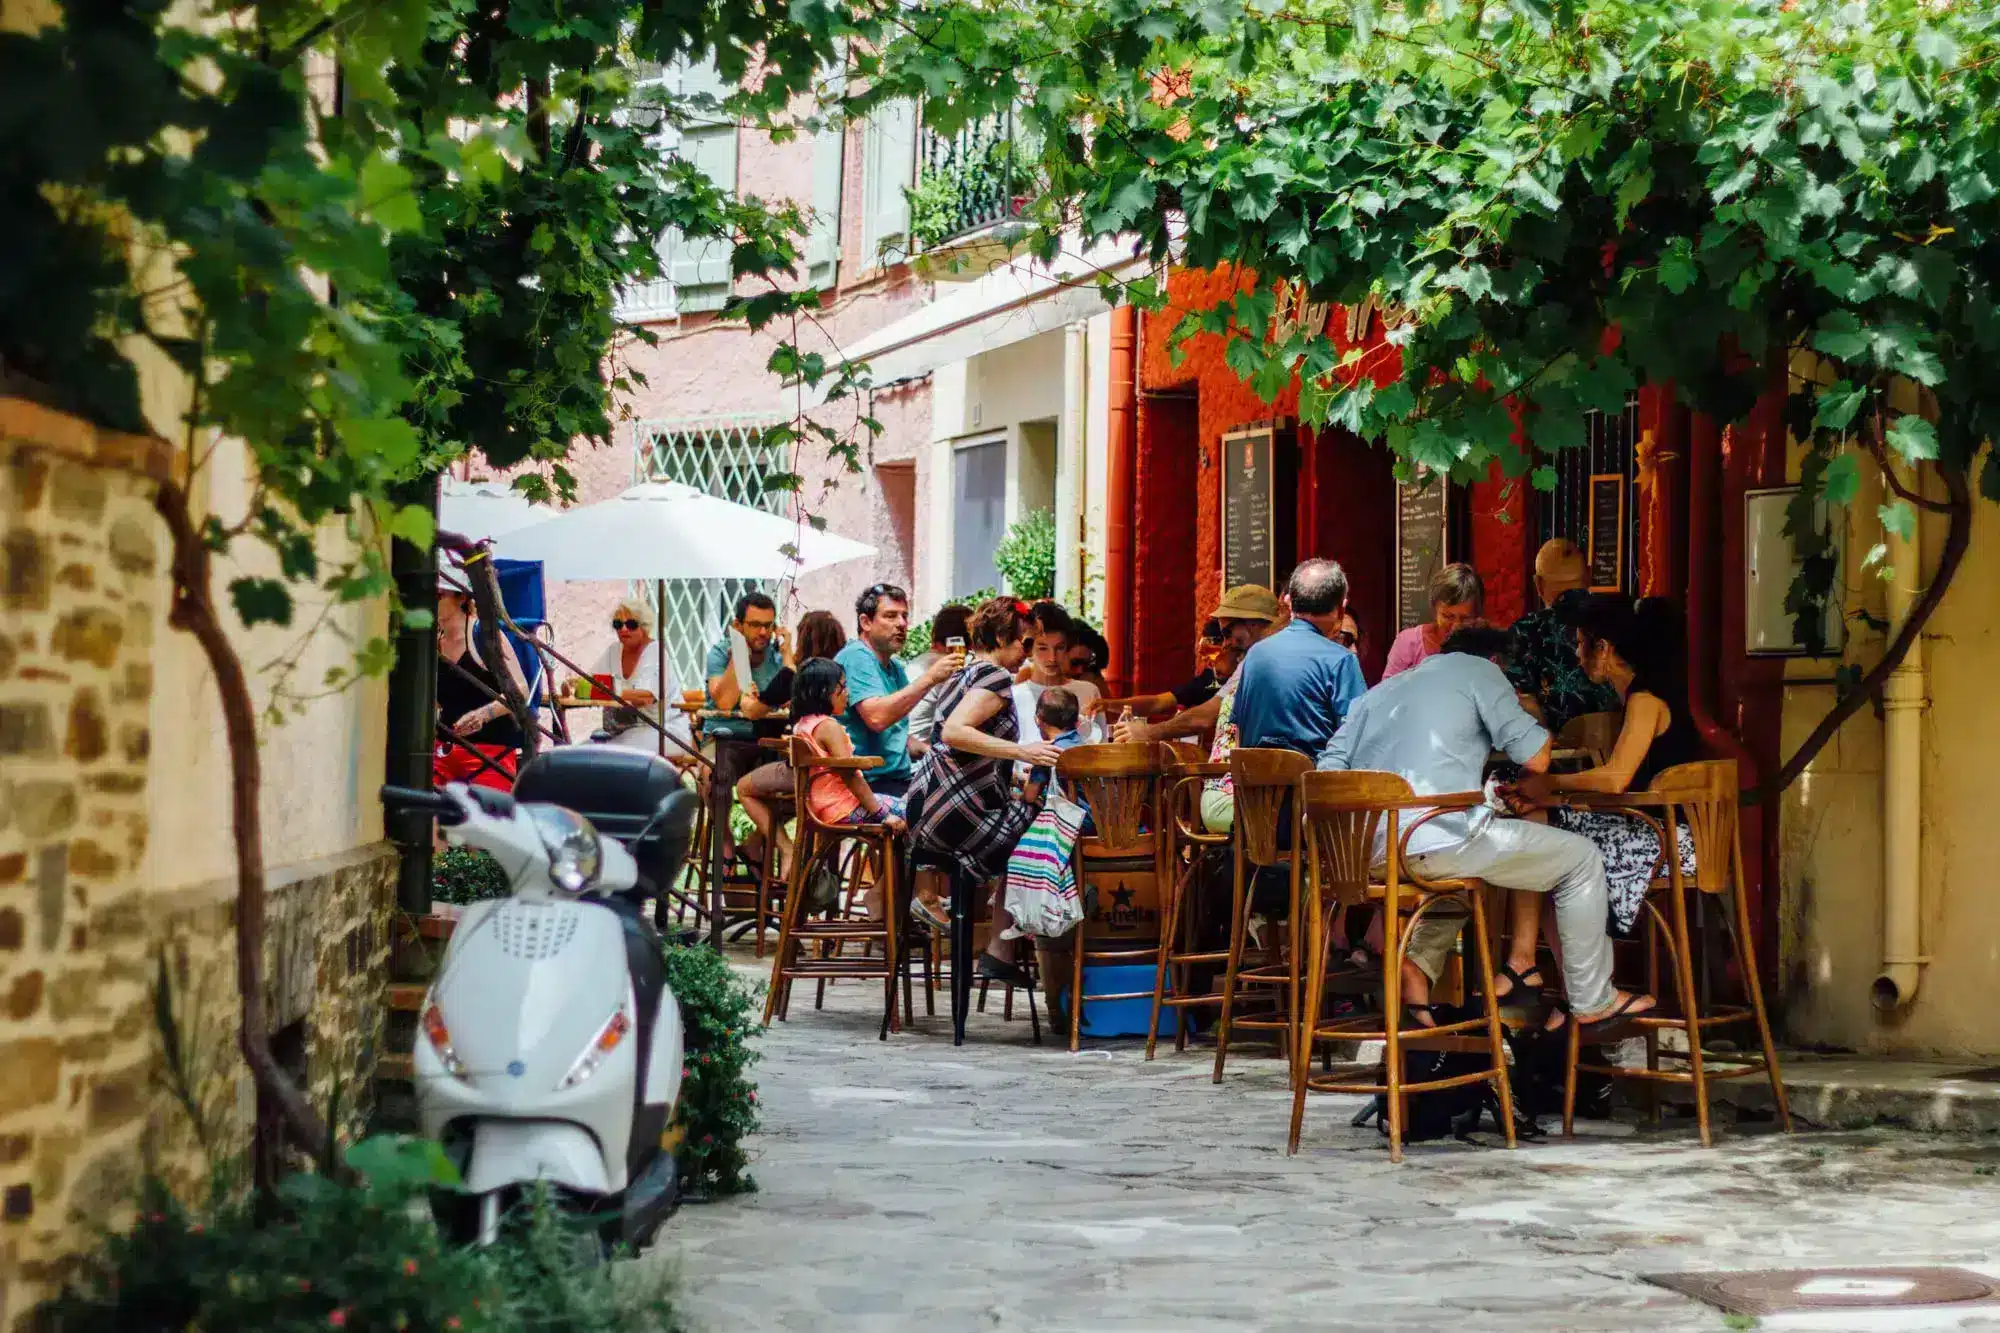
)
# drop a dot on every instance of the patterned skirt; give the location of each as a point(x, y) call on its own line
point(1631, 852)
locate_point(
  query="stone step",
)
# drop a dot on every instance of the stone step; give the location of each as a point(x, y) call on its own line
point(407, 999)
point(402, 1068)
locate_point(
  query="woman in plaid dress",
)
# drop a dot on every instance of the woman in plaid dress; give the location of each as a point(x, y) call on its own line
point(962, 803)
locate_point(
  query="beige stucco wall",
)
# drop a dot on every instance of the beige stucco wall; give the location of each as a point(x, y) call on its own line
point(1831, 827)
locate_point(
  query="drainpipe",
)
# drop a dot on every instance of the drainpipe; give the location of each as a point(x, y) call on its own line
point(1071, 450)
point(1902, 787)
point(1122, 419)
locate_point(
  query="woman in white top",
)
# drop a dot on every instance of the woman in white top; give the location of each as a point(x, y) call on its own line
point(635, 668)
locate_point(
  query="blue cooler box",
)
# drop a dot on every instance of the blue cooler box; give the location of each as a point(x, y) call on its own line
point(1126, 1018)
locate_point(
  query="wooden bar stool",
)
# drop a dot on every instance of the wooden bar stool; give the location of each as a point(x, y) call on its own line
point(816, 947)
point(1120, 784)
point(1702, 797)
point(1181, 781)
point(1341, 815)
point(1264, 780)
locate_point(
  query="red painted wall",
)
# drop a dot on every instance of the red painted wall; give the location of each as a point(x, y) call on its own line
point(1164, 616)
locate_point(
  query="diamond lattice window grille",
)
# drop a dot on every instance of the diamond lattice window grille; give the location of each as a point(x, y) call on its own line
point(725, 456)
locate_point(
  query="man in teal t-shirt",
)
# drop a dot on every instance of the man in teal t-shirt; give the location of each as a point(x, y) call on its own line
point(880, 693)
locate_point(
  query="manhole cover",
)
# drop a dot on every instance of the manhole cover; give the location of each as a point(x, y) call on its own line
point(1783, 1290)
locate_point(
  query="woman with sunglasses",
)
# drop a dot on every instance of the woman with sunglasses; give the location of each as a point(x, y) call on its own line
point(633, 663)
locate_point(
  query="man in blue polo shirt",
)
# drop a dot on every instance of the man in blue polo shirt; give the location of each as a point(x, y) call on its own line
point(880, 693)
point(1298, 683)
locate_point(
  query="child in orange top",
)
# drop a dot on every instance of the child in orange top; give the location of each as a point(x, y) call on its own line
point(819, 697)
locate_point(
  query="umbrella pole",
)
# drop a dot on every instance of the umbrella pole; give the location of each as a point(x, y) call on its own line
point(660, 657)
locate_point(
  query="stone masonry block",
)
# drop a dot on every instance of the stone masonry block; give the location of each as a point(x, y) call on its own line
point(25, 731)
point(77, 492)
point(24, 572)
point(89, 635)
point(87, 739)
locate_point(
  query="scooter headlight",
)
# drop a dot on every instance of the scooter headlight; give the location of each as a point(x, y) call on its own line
point(614, 1031)
point(571, 843)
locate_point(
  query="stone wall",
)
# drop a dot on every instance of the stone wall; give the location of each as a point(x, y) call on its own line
point(102, 973)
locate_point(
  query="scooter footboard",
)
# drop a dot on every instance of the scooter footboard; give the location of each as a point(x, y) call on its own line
point(508, 1152)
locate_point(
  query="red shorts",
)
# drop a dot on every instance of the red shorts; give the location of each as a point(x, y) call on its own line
point(454, 763)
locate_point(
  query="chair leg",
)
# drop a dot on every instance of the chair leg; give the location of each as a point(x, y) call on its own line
point(885, 879)
point(1573, 1043)
point(1239, 925)
point(787, 930)
point(980, 1006)
point(1076, 981)
point(1034, 1017)
point(1287, 1033)
point(1684, 979)
point(1306, 1020)
point(1392, 1007)
point(1496, 1040)
point(1746, 960)
point(1167, 938)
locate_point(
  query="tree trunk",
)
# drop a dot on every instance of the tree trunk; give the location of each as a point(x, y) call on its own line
point(485, 583)
point(283, 1113)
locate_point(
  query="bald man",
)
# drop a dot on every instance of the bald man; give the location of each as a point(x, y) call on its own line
point(1545, 668)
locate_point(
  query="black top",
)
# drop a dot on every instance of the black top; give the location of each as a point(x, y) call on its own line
point(1680, 743)
point(1198, 691)
point(456, 697)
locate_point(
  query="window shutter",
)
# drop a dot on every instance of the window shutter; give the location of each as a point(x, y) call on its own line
point(700, 268)
point(823, 242)
point(652, 86)
point(890, 167)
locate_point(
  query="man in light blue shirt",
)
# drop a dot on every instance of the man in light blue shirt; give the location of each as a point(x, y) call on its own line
point(880, 693)
point(1298, 683)
point(1436, 725)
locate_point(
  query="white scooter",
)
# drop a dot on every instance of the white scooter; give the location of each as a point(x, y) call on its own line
point(550, 1047)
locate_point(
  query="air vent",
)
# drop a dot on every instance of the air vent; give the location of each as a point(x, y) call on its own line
point(535, 931)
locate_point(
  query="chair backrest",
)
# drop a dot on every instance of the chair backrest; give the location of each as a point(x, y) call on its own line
point(1263, 779)
point(1596, 734)
point(1182, 752)
point(808, 763)
point(1120, 784)
point(1705, 799)
point(1343, 812)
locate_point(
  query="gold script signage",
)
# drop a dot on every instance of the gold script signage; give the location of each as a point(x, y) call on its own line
point(1606, 551)
point(1423, 509)
point(1259, 504)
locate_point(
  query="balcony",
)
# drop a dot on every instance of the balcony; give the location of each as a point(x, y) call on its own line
point(970, 186)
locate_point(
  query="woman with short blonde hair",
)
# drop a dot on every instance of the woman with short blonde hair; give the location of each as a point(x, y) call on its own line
point(636, 669)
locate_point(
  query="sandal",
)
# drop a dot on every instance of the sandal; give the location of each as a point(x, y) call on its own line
point(1596, 1028)
point(1000, 970)
point(1519, 983)
point(1415, 1016)
point(930, 914)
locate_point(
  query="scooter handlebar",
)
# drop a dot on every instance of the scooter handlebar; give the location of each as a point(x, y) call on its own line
point(438, 803)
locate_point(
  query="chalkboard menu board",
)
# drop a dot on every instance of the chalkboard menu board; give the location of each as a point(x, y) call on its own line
point(1606, 550)
point(1422, 514)
point(1259, 505)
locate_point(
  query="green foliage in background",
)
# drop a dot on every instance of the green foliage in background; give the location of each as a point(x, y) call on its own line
point(718, 1102)
point(1026, 556)
point(467, 875)
point(919, 641)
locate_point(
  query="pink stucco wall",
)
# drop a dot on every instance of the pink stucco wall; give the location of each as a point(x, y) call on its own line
point(704, 367)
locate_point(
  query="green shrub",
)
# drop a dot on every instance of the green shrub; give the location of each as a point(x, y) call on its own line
point(362, 1256)
point(1026, 556)
point(467, 875)
point(718, 1102)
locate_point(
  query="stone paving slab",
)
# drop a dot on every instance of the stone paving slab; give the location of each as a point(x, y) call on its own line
point(996, 1186)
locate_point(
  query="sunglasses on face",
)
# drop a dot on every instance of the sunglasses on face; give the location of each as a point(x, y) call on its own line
point(623, 624)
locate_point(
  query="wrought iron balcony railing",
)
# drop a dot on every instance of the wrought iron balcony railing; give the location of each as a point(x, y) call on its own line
point(966, 181)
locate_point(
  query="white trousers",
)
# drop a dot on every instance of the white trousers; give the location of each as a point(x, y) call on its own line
point(1521, 854)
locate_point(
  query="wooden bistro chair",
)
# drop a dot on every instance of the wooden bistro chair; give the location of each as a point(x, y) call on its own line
point(1589, 739)
point(1120, 783)
point(1703, 798)
point(771, 886)
point(1264, 779)
point(1341, 815)
point(817, 946)
point(1182, 777)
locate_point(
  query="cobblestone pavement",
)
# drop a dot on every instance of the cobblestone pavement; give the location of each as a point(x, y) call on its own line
point(996, 1186)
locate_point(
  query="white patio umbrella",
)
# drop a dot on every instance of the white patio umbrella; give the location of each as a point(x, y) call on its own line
point(482, 509)
point(666, 530)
